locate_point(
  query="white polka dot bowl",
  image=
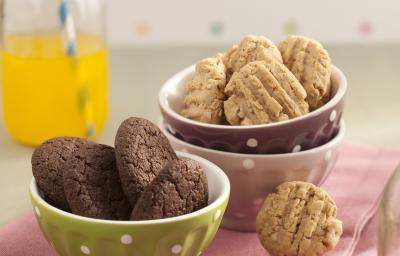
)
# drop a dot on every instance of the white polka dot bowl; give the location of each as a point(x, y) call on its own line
point(185, 235)
point(305, 132)
point(254, 176)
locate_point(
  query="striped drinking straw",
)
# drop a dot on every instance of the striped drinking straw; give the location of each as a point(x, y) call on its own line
point(71, 49)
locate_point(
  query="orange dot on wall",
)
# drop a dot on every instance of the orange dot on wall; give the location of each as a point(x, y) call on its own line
point(142, 28)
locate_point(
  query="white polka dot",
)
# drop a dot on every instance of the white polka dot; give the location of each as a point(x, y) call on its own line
point(37, 211)
point(176, 249)
point(240, 215)
point(258, 201)
point(171, 130)
point(217, 215)
point(332, 116)
point(85, 249)
point(126, 239)
point(328, 155)
point(248, 163)
point(252, 143)
point(296, 148)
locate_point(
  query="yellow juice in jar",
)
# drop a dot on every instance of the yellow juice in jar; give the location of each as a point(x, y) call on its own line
point(43, 89)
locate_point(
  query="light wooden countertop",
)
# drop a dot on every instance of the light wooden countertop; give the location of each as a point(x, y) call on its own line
point(372, 109)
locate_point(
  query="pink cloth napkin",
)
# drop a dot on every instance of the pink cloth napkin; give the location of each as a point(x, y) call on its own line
point(356, 184)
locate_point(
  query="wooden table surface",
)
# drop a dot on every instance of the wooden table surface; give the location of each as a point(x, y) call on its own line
point(372, 111)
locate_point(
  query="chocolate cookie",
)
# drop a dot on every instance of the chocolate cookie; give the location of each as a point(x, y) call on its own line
point(142, 150)
point(180, 188)
point(92, 185)
point(47, 161)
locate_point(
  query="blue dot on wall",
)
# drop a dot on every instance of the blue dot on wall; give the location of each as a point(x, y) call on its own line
point(216, 28)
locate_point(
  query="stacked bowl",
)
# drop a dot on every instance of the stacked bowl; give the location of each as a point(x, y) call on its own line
point(257, 158)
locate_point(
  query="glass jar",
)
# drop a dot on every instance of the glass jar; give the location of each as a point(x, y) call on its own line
point(389, 218)
point(54, 69)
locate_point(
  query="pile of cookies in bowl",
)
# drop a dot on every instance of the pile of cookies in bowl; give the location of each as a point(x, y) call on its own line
point(264, 113)
point(139, 197)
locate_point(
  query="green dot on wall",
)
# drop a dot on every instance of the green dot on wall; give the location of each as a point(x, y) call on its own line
point(216, 28)
point(290, 27)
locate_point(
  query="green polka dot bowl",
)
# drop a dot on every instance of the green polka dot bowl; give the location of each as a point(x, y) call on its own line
point(189, 234)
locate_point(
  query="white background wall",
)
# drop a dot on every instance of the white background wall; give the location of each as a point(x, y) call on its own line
point(188, 22)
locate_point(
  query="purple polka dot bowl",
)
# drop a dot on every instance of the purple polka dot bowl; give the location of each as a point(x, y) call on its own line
point(253, 176)
point(301, 133)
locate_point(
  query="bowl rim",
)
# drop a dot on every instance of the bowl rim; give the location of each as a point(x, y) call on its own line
point(178, 77)
point(331, 143)
point(222, 196)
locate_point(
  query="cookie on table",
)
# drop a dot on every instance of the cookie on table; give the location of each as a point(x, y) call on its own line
point(299, 219)
point(205, 92)
point(180, 188)
point(47, 161)
point(311, 64)
point(251, 48)
point(92, 185)
point(141, 150)
point(263, 92)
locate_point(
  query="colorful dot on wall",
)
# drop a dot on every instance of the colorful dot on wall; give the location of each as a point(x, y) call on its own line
point(290, 27)
point(142, 28)
point(365, 28)
point(216, 28)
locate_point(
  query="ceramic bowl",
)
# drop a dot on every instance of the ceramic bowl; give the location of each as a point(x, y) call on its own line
point(305, 132)
point(188, 234)
point(253, 176)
